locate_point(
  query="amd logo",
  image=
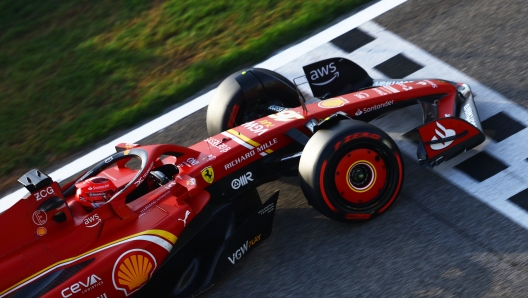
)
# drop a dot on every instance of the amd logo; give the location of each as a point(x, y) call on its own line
point(324, 71)
point(91, 282)
point(276, 108)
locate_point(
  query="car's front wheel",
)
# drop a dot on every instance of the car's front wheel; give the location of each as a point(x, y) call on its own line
point(351, 171)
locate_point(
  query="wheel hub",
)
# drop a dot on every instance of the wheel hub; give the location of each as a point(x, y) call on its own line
point(360, 176)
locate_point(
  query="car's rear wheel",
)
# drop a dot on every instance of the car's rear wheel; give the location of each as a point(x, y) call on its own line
point(247, 95)
point(351, 171)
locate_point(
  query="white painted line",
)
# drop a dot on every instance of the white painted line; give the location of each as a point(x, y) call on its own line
point(108, 149)
point(274, 62)
point(327, 35)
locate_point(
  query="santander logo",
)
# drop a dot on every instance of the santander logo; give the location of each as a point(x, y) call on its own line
point(442, 133)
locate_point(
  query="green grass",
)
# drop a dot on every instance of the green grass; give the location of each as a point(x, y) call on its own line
point(73, 72)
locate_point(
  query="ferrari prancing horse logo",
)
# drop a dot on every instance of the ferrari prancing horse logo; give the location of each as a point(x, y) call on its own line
point(208, 174)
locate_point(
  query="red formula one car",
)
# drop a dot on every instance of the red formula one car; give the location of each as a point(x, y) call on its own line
point(168, 221)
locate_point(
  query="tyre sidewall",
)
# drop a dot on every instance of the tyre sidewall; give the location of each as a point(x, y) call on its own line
point(324, 151)
point(230, 107)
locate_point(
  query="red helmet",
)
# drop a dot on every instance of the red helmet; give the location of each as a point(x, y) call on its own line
point(94, 192)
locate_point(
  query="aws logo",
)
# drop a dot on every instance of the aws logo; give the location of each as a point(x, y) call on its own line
point(324, 72)
point(92, 221)
point(132, 270)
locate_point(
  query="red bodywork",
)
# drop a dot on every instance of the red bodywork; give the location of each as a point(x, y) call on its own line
point(119, 246)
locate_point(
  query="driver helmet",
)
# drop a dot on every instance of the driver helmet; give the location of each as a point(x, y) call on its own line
point(94, 192)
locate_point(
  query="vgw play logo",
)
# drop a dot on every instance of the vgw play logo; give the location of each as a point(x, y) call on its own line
point(323, 73)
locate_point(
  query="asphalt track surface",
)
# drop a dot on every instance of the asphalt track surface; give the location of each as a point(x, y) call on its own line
point(436, 240)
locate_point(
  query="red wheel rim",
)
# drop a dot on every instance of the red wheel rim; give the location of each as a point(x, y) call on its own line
point(360, 176)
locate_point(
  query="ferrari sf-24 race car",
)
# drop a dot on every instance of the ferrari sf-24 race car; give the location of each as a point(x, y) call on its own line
point(177, 219)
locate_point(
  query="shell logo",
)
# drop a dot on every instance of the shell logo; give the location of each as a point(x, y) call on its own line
point(132, 270)
point(41, 231)
point(332, 103)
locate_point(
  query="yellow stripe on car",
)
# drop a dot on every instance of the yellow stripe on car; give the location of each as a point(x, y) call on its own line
point(160, 233)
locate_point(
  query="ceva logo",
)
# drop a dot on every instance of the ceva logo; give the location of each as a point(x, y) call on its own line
point(324, 71)
point(444, 133)
point(91, 282)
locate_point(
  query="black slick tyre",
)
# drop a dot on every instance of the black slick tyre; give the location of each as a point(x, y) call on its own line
point(351, 171)
point(246, 96)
